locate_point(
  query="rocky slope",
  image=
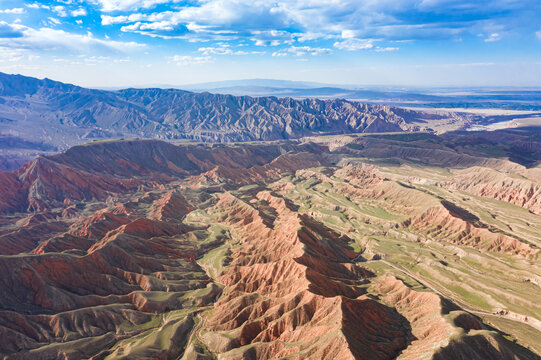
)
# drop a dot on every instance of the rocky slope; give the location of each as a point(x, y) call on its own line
point(451, 223)
point(100, 170)
point(304, 299)
point(147, 250)
point(516, 189)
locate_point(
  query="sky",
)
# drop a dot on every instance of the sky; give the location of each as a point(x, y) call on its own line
point(408, 43)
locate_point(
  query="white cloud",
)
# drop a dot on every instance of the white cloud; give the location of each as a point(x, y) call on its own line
point(225, 49)
point(10, 55)
point(287, 25)
point(222, 49)
point(476, 64)
point(353, 44)
point(37, 6)
point(493, 37)
point(538, 34)
point(124, 5)
point(386, 49)
point(110, 20)
point(53, 21)
point(52, 39)
point(272, 37)
point(12, 11)
point(141, 26)
point(348, 34)
point(126, 19)
point(92, 60)
point(302, 51)
point(183, 60)
point(310, 36)
point(78, 12)
point(60, 10)
point(345, 21)
point(259, 42)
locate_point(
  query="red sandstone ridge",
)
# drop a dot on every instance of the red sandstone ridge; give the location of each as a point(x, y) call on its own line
point(120, 275)
point(97, 225)
point(27, 238)
point(500, 186)
point(291, 292)
point(361, 175)
point(98, 170)
point(11, 193)
point(441, 332)
point(172, 205)
point(138, 252)
point(287, 163)
point(453, 224)
point(424, 312)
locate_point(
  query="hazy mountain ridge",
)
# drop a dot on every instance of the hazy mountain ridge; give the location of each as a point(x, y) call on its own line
point(61, 115)
point(498, 98)
point(201, 116)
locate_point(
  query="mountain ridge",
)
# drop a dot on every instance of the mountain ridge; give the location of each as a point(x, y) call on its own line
point(101, 169)
point(58, 116)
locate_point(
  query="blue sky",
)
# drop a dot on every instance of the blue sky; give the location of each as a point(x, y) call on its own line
point(364, 42)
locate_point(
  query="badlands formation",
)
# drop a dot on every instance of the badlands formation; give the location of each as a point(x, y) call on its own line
point(396, 246)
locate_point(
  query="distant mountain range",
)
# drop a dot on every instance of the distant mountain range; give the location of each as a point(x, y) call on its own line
point(46, 116)
point(265, 83)
point(501, 98)
point(300, 89)
point(38, 116)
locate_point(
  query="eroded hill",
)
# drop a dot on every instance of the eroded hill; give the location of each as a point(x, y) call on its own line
point(364, 247)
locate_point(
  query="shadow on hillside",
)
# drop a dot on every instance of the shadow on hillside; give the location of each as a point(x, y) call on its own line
point(458, 149)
